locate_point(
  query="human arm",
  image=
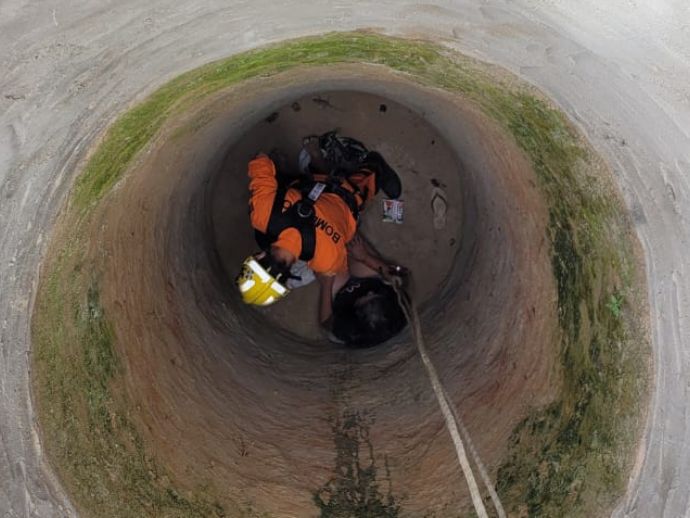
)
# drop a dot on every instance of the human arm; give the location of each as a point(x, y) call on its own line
point(262, 188)
point(359, 250)
point(316, 160)
point(326, 299)
point(366, 261)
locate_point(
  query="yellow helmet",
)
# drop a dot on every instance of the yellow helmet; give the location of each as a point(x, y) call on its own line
point(257, 285)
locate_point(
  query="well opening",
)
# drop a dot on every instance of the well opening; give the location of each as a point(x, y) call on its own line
point(210, 375)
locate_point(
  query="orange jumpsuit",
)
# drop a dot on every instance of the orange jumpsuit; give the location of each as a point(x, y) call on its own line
point(335, 224)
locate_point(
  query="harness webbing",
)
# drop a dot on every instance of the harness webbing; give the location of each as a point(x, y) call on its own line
point(302, 215)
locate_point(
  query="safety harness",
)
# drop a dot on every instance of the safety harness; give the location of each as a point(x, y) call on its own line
point(302, 215)
point(345, 156)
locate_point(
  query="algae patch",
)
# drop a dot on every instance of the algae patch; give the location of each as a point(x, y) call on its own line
point(572, 457)
point(354, 490)
point(85, 427)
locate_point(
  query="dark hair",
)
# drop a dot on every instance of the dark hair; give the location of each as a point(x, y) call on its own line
point(276, 267)
point(366, 312)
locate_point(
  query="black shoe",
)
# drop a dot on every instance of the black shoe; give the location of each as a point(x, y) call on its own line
point(387, 179)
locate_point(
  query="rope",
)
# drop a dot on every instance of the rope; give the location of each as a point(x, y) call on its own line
point(455, 426)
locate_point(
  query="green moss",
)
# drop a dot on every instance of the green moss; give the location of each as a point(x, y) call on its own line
point(90, 438)
point(354, 490)
point(568, 458)
point(571, 458)
point(615, 304)
point(132, 131)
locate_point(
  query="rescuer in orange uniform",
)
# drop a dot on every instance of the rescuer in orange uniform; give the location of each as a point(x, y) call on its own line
point(311, 219)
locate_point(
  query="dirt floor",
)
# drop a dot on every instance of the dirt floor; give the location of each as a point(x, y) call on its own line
point(253, 401)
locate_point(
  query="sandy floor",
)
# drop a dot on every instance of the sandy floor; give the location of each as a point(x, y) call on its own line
point(619, 70)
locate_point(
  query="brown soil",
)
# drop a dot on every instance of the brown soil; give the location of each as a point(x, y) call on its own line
point(255, 403)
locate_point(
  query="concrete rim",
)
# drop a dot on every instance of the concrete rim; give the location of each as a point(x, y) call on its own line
point(574, 53)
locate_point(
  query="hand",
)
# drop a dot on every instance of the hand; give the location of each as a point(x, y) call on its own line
point(312, 146)
point(357, 249)
point(279, 159)
point(395, 273)
point(397, 270)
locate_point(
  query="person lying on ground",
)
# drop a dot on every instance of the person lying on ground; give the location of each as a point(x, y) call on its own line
point(310, 219)
point(361, 308)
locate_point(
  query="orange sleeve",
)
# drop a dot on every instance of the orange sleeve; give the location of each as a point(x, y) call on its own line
point(340, 265)
point(291, 240)
point(330, 260)
point(262, 188)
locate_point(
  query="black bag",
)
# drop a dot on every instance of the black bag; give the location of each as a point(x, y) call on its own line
point(345, 156)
